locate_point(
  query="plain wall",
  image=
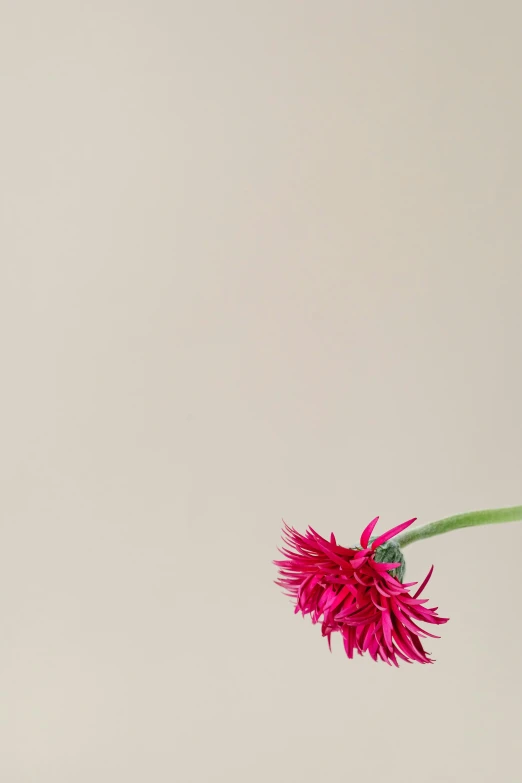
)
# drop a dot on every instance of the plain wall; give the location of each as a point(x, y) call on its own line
point(258, 260)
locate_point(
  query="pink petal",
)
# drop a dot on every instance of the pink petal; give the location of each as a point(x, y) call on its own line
point(356, 562)
point(405, 644)
point(387, 629)
point(391, 533)
point(368, 635)
point(365, 537)
point(382, 567)
point(343, 593)
point(413, 627)
point(423, 585)
point(349, 639)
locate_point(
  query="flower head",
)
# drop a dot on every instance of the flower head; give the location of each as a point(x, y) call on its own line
point(358, 592)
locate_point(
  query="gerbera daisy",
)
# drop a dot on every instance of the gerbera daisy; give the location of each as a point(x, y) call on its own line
point(358, 592)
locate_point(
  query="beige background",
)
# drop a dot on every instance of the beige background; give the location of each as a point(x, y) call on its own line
point(258, 260)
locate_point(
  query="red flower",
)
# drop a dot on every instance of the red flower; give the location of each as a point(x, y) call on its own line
point(354, 591)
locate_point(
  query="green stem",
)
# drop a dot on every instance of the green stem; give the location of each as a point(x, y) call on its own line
point(488, 517)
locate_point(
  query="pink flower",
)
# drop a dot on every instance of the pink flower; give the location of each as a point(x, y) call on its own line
point(354, 591)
